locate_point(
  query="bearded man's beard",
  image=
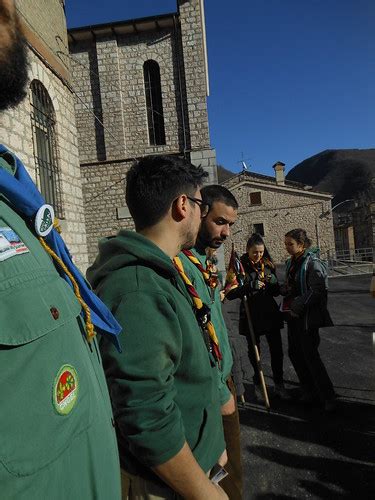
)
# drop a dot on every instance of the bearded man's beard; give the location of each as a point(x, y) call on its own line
point(13, 72)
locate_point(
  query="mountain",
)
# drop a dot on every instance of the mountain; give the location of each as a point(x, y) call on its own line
point(223, 174)
point(343, 172)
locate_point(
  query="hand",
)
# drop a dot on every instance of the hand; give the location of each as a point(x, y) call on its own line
point(223, 459)
point(272, 280)
point(293, 314)
point(229, 407)
point(222, 295)
point(259, 285)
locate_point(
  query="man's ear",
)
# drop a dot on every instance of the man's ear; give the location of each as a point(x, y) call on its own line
point(180, 208)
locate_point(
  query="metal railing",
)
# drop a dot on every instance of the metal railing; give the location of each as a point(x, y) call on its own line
point(349, 262)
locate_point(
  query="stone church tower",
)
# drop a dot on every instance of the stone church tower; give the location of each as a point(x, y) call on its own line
point(142, 88)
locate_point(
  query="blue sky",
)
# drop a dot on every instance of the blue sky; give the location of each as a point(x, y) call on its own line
point(288, 78)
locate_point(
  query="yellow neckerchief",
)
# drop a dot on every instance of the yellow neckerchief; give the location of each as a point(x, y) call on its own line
point(204, 321)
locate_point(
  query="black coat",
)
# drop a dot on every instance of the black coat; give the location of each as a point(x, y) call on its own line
point(264, 310)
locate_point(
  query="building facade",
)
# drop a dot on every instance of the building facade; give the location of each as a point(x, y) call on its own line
point(363, 216)
point(41, 130)
point(272, 206)
point(142, 88)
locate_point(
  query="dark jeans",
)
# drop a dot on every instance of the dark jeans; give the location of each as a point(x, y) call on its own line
point(232, 484)
point(276, 353)
point(305, 358)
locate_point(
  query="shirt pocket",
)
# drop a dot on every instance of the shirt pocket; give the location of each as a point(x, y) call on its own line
point(46, 374)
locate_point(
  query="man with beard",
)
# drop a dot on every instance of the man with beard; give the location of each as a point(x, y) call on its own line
point(57, 437)
point(200, 269)
point(163, 384)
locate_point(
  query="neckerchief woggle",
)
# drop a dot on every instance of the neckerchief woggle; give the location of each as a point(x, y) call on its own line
point(22, 193)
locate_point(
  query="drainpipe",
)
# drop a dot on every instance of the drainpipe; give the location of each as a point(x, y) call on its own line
point(180, 84)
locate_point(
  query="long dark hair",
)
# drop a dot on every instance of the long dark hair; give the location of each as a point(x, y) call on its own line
point(256, 239)
point(300, 236)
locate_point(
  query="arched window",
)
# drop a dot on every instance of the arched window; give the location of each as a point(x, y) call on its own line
point(154, 103)
point(45, 150)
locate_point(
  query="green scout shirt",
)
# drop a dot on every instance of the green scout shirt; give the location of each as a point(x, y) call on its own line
point(162, 385)
point(57, 438)
point(211, 297)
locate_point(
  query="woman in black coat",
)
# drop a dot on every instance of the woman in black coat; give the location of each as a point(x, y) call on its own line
point(261, 286)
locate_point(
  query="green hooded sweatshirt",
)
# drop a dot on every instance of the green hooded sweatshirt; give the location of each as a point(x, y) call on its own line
point(162, 384)
point(211, 297)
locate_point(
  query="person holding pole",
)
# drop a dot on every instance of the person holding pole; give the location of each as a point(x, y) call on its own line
point(260, 286)
point(305, 306)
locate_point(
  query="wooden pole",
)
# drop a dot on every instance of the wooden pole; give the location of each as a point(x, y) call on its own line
point(257, 356)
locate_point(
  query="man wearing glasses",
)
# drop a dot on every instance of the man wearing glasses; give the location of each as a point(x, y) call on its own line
point(218, 216)
point(163, 384)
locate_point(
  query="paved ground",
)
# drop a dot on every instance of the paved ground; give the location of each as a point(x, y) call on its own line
point(297, 451)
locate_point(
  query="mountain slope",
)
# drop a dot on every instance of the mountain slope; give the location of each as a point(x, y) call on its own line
point(343, 172)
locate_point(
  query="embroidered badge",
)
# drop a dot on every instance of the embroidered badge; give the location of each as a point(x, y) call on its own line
point(65, 390)
point(44, 220)
point(10, 243)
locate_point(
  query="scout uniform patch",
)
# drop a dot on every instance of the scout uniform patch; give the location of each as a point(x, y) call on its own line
point(10, 243)
point(44, 220)
point(65, 390)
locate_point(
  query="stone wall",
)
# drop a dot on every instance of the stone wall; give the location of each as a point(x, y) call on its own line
point(104, 196)
point(282, 208)
point(16, 130)
point(46, 19)
point(195, 72)
point(206, 158)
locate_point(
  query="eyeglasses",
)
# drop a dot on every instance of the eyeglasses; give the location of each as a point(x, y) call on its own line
point(205, 207)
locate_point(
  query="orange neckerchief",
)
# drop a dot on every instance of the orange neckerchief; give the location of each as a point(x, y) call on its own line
point(209, 274)
point(260, 272)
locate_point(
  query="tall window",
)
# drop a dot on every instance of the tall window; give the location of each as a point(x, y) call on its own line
point(44, 141)
point(154, 103)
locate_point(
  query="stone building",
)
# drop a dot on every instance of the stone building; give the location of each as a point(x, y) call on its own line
point(354, 225)
point(272, 206)
point(363, 222)
point(142, 88)
point(41, 130)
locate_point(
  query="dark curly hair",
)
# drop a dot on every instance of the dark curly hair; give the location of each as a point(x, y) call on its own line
point(300, 236)
point(154, 182)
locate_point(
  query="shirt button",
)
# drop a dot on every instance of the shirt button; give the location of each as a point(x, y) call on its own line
point(55, 313)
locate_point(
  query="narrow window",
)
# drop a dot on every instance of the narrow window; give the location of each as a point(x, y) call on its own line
point(259, 228)
point(256, 198)
point(44, 143)
point(154, 103)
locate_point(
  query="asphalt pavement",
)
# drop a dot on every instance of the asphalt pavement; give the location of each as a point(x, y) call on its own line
point(297, 451)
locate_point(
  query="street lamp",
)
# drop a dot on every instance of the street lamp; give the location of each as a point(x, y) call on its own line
point(327, 212)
